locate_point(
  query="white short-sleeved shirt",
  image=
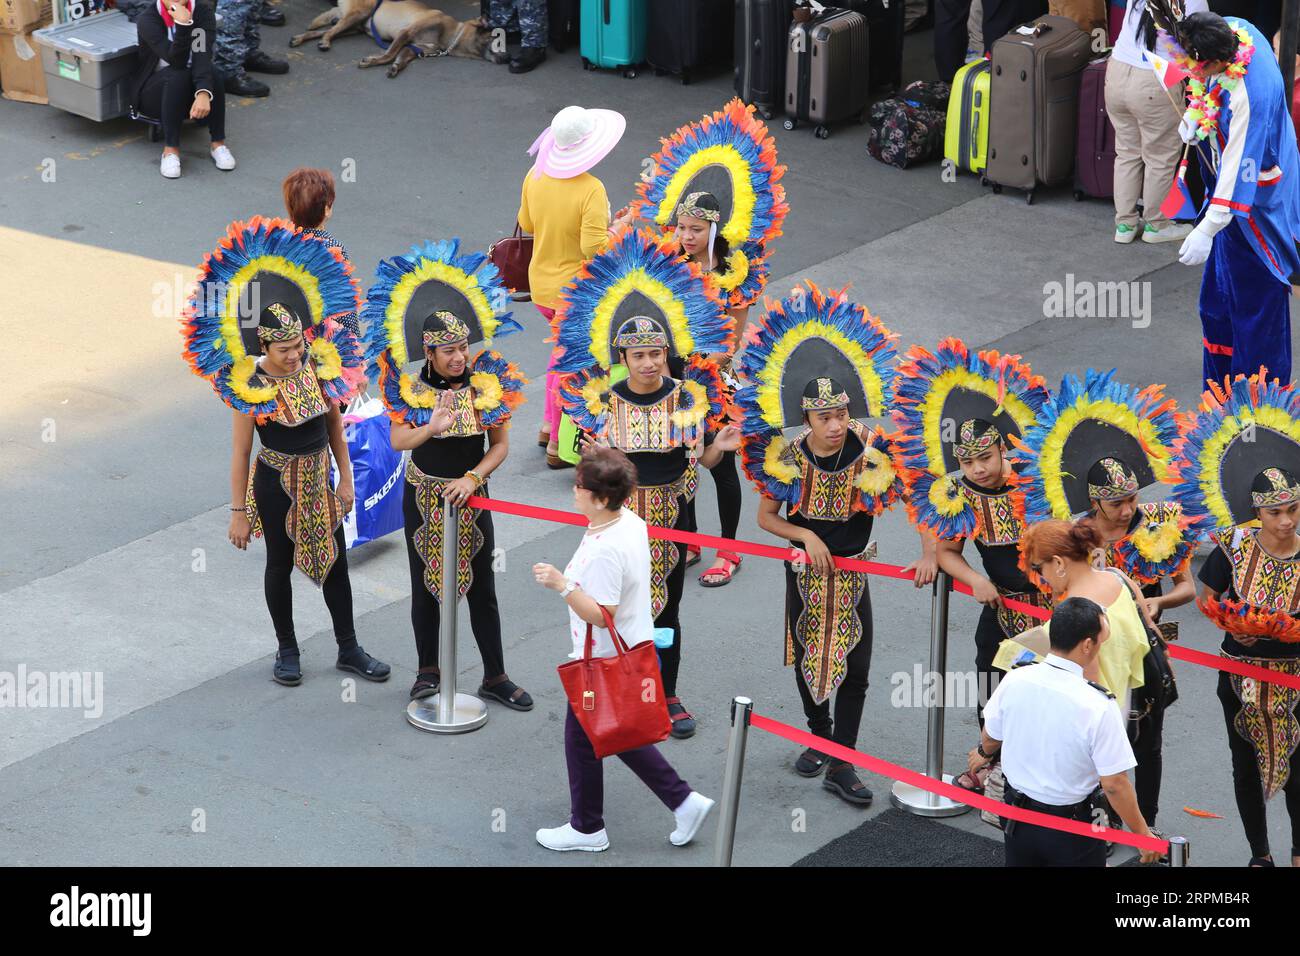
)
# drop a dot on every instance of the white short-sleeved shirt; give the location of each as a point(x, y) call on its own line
point(1059, 734)
point(1129, 45)
point(612, 566)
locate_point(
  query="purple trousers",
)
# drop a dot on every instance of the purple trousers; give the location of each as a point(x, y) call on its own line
point(587, 779)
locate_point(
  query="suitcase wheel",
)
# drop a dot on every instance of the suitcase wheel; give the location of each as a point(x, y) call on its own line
point(586, 64)
point(790, 123)
point(659, 72)
point(767, 114)
point(862, 117)
point(821, 132)
point(997, 188)
point(984, 180)
point(1029, 198)
point(1078, 195)
point(686, 78)
point(629, 73)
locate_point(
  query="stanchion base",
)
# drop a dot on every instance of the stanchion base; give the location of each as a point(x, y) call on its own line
point(923, 803)
point(470, 713)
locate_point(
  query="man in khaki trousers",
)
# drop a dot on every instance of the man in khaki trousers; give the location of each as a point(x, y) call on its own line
point(1147, 144)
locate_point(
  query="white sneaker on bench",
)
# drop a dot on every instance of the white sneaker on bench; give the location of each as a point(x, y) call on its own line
point(171, 166)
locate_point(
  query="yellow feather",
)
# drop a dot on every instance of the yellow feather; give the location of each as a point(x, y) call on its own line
point(699, 410)
point(329, 364)
point(933, 431)
point(769, 379)
point(1157, 543)
point(775, 463)
point(230, 317)
point(405, 288)
point(240, 373)
point(947, 498)
point(487, 390)
point(593, 394)
point(424, 398)
point(656, 292)
point(879, 474)
point(736, 229)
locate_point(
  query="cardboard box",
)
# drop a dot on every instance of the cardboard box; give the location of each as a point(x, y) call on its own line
point(22, 76)
point(21, 16)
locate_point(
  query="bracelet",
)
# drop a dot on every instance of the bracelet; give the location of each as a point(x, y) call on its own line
point(479, 480)
point(239, 509)
point(979, 749)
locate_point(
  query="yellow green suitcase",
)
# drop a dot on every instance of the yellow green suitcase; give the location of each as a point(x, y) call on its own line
point(966, 135)
point(567, 444)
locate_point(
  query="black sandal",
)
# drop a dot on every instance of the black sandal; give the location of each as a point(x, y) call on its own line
point(426, 685)
point(286, 669)
point(811, 763)
point(1260, 861)
point(844, 783)
point(359, 662)
point(683, 724)
point(505, 691)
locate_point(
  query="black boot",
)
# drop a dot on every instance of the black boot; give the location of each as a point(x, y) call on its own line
point(262, 62)
point(528, 58)
point(271, 16)
point(245, 85)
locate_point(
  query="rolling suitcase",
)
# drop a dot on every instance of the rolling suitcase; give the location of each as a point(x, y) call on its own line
point(762, 31)
point(1094, 160)
point(613, 34)
point(683, 35)
point(966, 132)
point(886, 23)
point(1034, 94)
point(827, 76)
point(562, 22)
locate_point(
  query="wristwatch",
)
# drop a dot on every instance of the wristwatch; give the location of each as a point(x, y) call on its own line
point(979, 749)
point(569, 588)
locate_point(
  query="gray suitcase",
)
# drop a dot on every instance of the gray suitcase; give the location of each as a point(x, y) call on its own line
point(827, 77)
point(89, 63)
point(1034, 104)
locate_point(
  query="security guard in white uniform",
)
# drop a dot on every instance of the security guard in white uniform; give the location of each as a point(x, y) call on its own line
point(1060, 735)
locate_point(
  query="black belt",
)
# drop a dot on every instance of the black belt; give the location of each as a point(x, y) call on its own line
point(1072, 811)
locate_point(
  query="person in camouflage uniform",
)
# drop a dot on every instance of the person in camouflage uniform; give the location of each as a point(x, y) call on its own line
point(533, 30)
point(238, 45)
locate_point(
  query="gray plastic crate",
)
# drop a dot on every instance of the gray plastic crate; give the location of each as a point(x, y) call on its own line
point(88, 64)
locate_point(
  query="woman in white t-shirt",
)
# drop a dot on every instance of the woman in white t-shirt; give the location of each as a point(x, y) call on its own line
point(610, 569)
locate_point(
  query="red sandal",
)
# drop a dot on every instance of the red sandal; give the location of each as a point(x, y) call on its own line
point(692, 554)
point(721, 576)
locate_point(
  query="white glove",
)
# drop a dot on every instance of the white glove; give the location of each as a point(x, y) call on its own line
point(1196, 247)
point(1187, 130)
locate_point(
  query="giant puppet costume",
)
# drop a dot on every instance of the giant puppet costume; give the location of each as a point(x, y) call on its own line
point(1239, 120)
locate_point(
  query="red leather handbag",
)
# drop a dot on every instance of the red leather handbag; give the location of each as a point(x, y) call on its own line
point(619, 701)
point(511, 256)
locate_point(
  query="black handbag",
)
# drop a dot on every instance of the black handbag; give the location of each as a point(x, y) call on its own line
point(1159, 686)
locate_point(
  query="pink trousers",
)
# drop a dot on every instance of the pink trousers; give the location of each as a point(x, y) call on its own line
point(551, 412)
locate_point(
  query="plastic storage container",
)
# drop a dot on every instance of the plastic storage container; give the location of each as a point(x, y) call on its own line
point(88, 64)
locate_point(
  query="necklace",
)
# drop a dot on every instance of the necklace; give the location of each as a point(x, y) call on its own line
point(1203, 106)
point(597, 527)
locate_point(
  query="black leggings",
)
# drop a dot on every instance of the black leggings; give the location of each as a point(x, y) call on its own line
point(851, 695)
point(988, 636)
point(168, 95)
point(726, 481)
point(1245, 781)
point(484, 616)
point(670, 658)
point(1146, 735)
point(273, 507)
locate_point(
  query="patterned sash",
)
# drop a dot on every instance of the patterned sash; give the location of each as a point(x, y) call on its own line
point(828, 628)
point(996, 518)
point(632, 428)
point(1267, 719)
point(659, 505)
point(315, 511)
point(427, 538)
point(1017, 622)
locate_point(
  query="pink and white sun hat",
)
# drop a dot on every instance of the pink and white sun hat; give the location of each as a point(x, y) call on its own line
point(576, 140)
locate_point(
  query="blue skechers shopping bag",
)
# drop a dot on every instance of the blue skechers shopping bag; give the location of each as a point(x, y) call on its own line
point(376, 475)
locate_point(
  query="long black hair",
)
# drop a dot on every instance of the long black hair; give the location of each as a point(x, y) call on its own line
point(1203, 36)
point(721, 248)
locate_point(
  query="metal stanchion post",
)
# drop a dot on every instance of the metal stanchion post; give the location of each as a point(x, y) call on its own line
point(448, 712)
point(903, 795)
point(1180, 851)
point(741, 708)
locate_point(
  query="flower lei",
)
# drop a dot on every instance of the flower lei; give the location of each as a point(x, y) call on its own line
point(1203, 107)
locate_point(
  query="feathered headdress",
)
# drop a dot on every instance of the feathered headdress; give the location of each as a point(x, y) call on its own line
point(437, 277)
point(256, 264)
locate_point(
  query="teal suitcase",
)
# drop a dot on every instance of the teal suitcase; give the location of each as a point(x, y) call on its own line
point(613, 34)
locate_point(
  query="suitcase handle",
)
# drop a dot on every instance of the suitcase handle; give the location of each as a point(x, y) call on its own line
point(607, 12)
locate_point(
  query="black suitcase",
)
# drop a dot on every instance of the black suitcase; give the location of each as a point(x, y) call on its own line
point(684, 35)
point(762, 36)
point(562, 22)
point(886, 21)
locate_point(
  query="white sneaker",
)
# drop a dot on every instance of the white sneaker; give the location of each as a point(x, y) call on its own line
point(1172, 232)
point(171, 166)
point(566, 838)
point(690, 817)
point(223, 157)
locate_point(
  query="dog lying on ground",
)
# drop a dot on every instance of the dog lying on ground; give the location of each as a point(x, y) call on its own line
point(410, 28)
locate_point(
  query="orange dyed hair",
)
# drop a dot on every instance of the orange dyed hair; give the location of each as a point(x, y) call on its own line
point(1064, 539)
point(306, 194)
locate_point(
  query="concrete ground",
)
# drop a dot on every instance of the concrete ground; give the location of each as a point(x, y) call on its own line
point(114, 478)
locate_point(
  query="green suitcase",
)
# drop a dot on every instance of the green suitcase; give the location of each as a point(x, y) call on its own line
point(966, 135)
